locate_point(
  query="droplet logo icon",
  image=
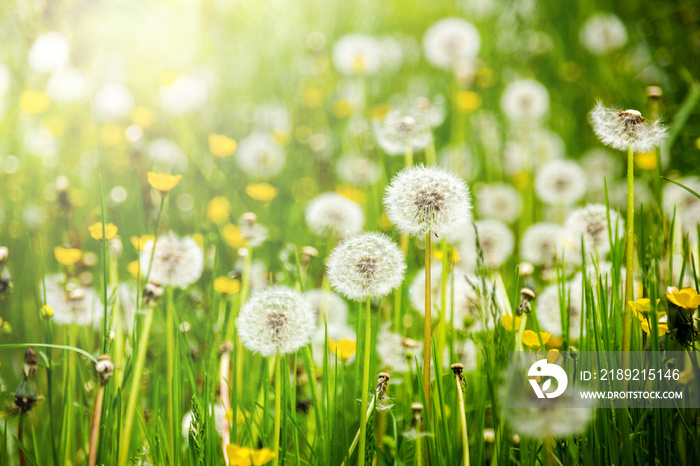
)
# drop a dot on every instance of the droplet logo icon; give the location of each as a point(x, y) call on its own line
point(544, 369)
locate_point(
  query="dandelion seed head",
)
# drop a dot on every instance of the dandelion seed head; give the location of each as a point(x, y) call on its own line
point(167, 154)
point(220, 421)
point(525, 100)
point(358, 170)
point(66, 85)
point(451, 41)
point(398, 132)
point(185, 95)
point(368, 264)
point(591, 224)
point(397, 352)
point(603, 33)
point(422, 200)
point(626, 129)
point(177, 261)
point(328, 307)
point(499, 201)
point(548, 309)
point(259, 156)
point(113, 102)
point(687, 206)
point(540, 243)
point(276, 319)
point(357, 54)
point(560, 182)
point(547, 146)
point(50, 52)
point(331, 214)
point(251, 231)
point(73, 303)
point(495, 240)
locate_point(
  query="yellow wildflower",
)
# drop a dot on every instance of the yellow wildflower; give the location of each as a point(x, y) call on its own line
point(261, 191)
point(511, 323)
point(351, 192)
point(312, 97)
point(687, 298)
point(379, 111)
point(222, 146)
point(342, 109)
point(244, 456)
point(532, 341)
point(46, 311)
point(162, 181)
point(645, 160)
point(96, 230)
point(218, 210)
point(133, 268)
point(642, 307)
point(140, 241)
point(34, 102)
point(552, 355)
point(226, 285)
point(67, 256)
point(662, 326)
point(342, 348)
point(232, 236)
point(452, 255)
point(468, 101)
point(143, 117)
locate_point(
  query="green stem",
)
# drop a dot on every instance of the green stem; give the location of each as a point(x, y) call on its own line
point(442, 320)
point(278, 408)
point(428, 323)
point(170, 354)
point(365, 385)
point(408, 156)
point(134, 392)
point(629, 261)
point(463, 421)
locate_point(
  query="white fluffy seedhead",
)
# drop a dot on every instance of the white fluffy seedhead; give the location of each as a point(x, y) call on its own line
point(331, 214)
point(450, 42)
point(276, 319)
point(525, 100)
point(603, 33)
point(591, 224)
point(72, 303)
point(423, 200)
point(540, 243)
point(560, 182)
point(398, 132)
point(259, 156)
point(626, 129)
point(357, 54)
point(327, 306)
point(177, 261)
point(549, 304)
point(499, 201)
point(368, 264)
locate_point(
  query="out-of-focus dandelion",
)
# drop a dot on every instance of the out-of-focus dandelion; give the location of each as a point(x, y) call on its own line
point(50, 52)
point(540, 243)
point(560, 182)
point(499, 201)
point(451, 41)
point(177, 262)
point(396, 351)
point(525, 101)
point(72, 303)
point(398, 133)
point(335, 216)
point(259, 156)
point(328, 307)
point(355, 54)
point(549, 305)
point(591, 224)
point(324, 333)
point(113, 102)
point(358, 170)
point(603, 33)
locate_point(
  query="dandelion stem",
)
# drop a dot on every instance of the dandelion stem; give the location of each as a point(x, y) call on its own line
point(365, 385)
point(629, 261)
point(463, 421)
point(170, 350)
point(95, 432)
point(409, 156)
point(442, 321)
point(428, 324)
point(278, 408)
point(134, 392)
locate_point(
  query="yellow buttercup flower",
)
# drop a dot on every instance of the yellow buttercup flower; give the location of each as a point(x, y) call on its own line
point(351, 192)
point(143, 117)
point(687, 298)
point(662, 326)
point(342, 109)
point(552, 355)
point(67, 256)
point(133, 268)
point(226, 285)
point(96, 230)
point(342, 348)
point(452, 255)
point(34, 102)
point(244, 456)
point(261, 191)
point(140, 241)
point(642, 307)
point(511, 323)
point(241, 416)
point(645, 160)
point(233, 236)
point(468, 101)
point(532, 341)
point(162, 181)
point(222, 146)
point(218, 210)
